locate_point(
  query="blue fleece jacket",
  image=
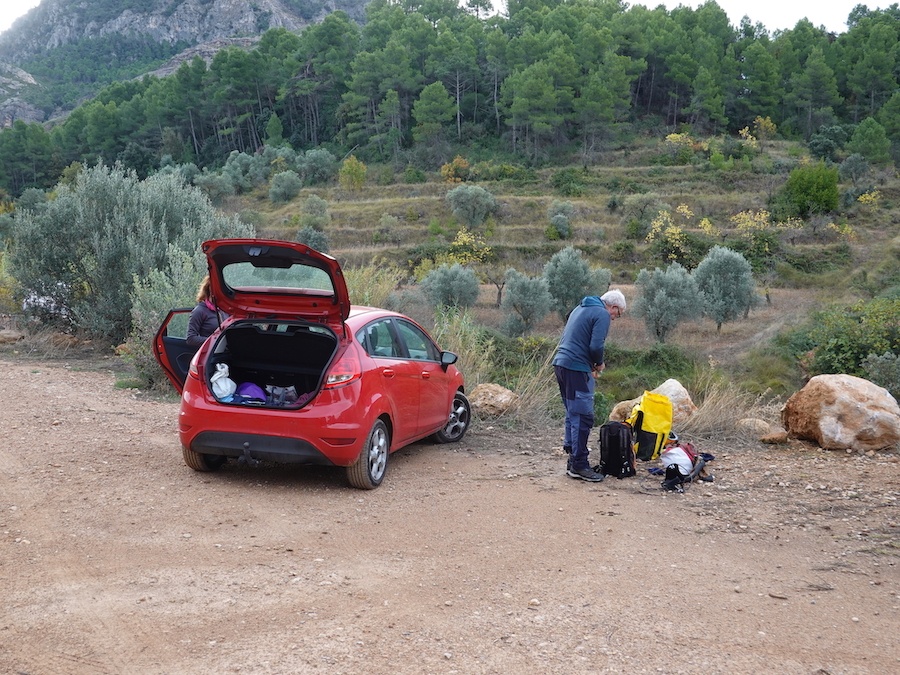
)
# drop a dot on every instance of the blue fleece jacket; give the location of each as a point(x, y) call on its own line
point(583, 339)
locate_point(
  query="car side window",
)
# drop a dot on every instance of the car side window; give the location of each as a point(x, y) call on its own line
point(379, 341)
point(418, 344)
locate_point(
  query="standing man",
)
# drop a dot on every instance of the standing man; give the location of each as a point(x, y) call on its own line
point(578, 360)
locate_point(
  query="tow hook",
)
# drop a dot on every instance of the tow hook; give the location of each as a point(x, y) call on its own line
point(246, 458)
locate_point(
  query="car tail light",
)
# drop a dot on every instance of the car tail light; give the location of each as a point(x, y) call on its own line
point(344, 371)
point(194, 370)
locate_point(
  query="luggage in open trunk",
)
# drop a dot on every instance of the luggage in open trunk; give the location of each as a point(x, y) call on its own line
point(285, 360)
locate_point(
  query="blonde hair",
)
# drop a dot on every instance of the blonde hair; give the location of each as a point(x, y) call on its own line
point(203, 291)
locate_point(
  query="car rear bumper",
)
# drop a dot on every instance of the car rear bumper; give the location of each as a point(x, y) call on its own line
point(259, 447)
point(284, 436)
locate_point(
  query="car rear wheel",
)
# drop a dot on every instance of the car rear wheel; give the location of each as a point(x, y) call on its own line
point(200, 462)
point(458, 422)
point(368, 470)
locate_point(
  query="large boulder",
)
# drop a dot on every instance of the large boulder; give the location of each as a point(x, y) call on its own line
point(492, 400)
point(682, 405)
point(841, 412)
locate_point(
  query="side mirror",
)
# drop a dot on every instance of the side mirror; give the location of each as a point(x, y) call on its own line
point(448, 359)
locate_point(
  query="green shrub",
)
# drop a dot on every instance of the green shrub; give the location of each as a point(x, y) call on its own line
point(562, 225)
point(630, 372)
point(384, 175)
point(622, 251)
point(819, 259)
point(568, 182)
point(492, 171)
point(216, 186)
point(84, 250)
point(636, 230)
point(317, 166)
point(152, 297)
point(435, 228)
point(284, 187)
point(451, 286)
point(314, 239)
point(839, 339)
point(413, 175)
point(471, 204)
point(884, 370)
point(854, 169)
point(828, 141)
point(809, 190)
point(314, 213)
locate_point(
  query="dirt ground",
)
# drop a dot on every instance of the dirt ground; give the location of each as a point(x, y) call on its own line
point(480, 557)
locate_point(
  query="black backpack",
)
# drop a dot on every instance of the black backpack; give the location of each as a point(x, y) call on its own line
point(616, 450)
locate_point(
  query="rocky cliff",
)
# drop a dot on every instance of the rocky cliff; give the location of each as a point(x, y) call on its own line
point(204, 25)
point(54, 23)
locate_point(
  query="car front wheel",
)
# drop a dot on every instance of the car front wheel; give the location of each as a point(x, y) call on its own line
point(367, 472)
point(200, 462)
point(458, 422)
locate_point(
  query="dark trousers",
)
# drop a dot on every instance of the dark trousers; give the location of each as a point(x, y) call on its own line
point(577, 392)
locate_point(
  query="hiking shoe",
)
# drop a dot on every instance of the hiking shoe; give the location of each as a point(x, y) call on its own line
point(587, 474)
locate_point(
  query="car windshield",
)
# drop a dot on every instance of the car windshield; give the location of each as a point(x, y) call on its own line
point(243, 276)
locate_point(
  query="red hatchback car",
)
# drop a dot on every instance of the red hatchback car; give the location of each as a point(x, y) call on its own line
point(313, 380)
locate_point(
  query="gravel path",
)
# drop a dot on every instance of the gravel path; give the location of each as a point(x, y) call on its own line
point(480, 557)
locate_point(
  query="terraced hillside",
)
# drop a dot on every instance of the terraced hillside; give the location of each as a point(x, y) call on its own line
point(614, 203)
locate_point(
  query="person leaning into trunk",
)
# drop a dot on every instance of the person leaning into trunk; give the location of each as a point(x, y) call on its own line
point(204, 318)
point(578, 360)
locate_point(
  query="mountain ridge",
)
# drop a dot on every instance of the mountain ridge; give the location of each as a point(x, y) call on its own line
point(205, 26)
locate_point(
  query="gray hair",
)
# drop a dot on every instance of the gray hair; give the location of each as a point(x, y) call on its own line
point(614, 298)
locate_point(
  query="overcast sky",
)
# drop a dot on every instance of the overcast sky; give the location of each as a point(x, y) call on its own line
point(782, 14)
point(10, 10)
point(773, 14)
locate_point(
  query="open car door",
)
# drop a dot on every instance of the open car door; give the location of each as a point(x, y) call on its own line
point(171, 349)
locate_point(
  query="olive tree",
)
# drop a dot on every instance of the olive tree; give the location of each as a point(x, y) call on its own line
point(314, 213)
point(284, 186)
point(526, 302)
point(82, 253)
point(725, 282)
point(665, 299)
point(560, 214)
point(317, 166)
point(314, 238)
point(570, 278)
point(451, 286)
point(471, 204)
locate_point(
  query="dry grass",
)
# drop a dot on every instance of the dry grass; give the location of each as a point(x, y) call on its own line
point(458, 332)
point(372, 285)
point(720, 405)
point(537, 392)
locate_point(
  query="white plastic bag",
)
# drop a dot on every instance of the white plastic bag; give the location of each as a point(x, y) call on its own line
point(222, 385)
point(676, 455)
